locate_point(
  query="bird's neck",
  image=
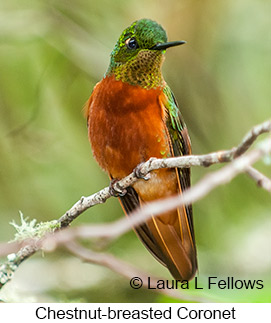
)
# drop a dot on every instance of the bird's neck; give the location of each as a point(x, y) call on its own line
point(143, 70)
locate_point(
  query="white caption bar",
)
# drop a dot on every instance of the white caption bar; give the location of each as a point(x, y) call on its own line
point(147, 312)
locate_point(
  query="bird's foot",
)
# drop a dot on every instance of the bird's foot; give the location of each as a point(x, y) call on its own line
point(115, 190)
point(139, 174)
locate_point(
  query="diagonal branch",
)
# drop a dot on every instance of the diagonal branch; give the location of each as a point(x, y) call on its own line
point(128, 271)
point(153, 164)
point(198, 191)
point(115, 229)
point(251, 136)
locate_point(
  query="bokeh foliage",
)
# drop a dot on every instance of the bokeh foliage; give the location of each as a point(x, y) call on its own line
point(51, 55)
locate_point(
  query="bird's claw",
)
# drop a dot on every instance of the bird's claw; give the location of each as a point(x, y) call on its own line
point(115, 190)
point(139, 174)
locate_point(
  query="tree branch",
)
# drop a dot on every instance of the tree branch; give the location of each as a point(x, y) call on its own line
point(153, 164)
point(115, 229)
point(202, 188)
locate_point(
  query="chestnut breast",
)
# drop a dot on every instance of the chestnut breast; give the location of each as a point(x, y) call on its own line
point(126, 126)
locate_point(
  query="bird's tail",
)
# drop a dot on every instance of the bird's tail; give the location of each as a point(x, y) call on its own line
point(175, 243)
point(169, 237)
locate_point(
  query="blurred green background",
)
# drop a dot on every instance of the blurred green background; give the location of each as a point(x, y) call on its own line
point(51, 55)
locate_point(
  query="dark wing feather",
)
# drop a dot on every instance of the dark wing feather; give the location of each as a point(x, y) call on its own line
point(181, 146)
point(129, 203)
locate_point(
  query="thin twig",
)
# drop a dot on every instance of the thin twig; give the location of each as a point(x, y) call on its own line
point(251, 136)
point(128, 271)
point(261, 180)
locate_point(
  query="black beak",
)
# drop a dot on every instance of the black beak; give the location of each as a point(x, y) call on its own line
point(162, 46)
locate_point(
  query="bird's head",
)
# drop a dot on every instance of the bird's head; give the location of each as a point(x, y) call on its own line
point(138, 54)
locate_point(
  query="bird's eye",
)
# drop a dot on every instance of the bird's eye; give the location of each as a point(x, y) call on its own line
point(131, 43)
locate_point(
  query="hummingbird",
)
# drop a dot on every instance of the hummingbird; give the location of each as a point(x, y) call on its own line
point(132, 115)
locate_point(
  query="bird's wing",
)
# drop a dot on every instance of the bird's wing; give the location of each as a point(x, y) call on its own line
point(181, 146)
point(129, 202)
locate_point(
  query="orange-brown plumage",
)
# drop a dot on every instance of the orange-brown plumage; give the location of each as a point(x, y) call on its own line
point(133, 116)
point(127, 126)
